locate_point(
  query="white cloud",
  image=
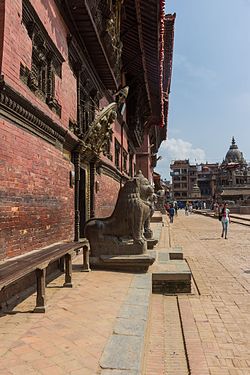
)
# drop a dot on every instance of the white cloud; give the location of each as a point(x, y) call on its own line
point(177, 149)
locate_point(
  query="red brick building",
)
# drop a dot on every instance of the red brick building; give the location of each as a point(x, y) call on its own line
point(63, 154)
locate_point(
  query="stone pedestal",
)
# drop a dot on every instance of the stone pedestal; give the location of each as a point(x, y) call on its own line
point(126, 263)
point(173, 276)
point(117, 242)
point(151, 243)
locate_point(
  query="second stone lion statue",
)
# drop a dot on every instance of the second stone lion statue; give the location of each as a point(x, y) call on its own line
point(122, 232)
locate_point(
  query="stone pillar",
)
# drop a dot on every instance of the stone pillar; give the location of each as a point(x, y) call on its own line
point(77, 187)
point(92, 188)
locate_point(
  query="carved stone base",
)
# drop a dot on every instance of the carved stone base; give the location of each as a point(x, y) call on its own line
point(114, 246)
point(151, 243)
point(148, 234)
point(123, 263)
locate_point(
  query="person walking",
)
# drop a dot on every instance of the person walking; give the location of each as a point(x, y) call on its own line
point(176, 208)
point(171, 213)
point(225, 220)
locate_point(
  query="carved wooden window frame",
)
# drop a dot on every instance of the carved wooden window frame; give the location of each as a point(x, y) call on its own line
point(87, 91)
point(107, 152)
point(131, 170)
point(117, 154)
point(125, 161)
point(88, 108)
point(46, 60)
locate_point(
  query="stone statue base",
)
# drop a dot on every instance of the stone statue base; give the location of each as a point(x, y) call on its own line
point(151, 243)
point(117, 241)
point(118, 246)
point(123, 263)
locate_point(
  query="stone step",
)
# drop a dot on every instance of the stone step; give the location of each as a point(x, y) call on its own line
point(157, 217)
point(156, 228)
point(175, 253)
point(171, 276)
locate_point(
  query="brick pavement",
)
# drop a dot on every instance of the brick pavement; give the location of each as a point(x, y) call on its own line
point(215, 318)
point(211, 338)
point(69, 338)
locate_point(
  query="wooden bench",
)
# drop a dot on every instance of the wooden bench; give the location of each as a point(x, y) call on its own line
point(14, 269)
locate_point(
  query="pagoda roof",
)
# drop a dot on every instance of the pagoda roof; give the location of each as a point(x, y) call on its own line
point(147, 37)
point(234, 191)
point(169, 22)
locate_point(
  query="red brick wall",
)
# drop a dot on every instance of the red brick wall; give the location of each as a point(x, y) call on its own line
point(17, 49)
point(106, 195)
point(36, 202)
point(143, 161)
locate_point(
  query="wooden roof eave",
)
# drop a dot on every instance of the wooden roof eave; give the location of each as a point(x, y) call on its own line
point(140, 35)
point(86, 25)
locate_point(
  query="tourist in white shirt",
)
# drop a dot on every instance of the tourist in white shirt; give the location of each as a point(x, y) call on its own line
point(225, 220)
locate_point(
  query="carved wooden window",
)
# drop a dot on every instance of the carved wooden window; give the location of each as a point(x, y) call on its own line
point(88, 107)
point(131, 156)
point(117, 154)
point(46, 61)
point(107, 149)
point(125, 161)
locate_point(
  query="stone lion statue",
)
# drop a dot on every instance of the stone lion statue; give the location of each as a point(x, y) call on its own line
point(122, 232)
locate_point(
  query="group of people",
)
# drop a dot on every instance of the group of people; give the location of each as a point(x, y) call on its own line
point(222, 211)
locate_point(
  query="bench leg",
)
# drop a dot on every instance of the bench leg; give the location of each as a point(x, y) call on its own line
point(61, 264)
point(68, 271)
point(85, 254)
point(40, 296)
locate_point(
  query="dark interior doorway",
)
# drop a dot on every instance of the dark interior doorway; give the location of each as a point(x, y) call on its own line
point(82, 200)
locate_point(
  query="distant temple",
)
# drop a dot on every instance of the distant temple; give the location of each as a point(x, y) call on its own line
point(234, 176)
point(210, 182)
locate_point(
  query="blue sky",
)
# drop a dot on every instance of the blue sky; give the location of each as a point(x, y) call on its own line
point(210, 89)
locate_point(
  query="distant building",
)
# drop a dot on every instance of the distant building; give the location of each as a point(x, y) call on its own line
point(234, 177)
point(209, 182)
point(192, 182)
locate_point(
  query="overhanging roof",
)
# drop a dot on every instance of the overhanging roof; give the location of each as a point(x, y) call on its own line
point(142, 53)
point(232, 192)
point(81, 15)
point(169, 21)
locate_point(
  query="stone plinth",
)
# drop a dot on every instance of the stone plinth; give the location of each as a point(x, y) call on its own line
point(157, 217)
point(151, 243)
point(175, 253)
point(173, 276)
point(128, 263)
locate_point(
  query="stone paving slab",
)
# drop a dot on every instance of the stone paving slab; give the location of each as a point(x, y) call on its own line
point(123, 352)
point(142, 281)
point(132, 327)
point(133, 311)
point(138, 297)
point(119, 372)
point(125, 348)
point(163, 257)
